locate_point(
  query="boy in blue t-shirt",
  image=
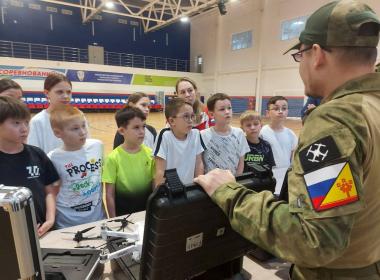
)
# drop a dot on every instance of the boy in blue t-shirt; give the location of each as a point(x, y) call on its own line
point(260, 150)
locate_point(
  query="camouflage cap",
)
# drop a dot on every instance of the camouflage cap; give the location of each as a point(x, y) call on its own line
point(337, 24)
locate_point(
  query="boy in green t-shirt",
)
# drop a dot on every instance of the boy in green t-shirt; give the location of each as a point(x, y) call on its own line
point(129, 169)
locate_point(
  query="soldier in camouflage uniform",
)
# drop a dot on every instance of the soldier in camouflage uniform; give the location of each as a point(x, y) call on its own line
point(330, 228)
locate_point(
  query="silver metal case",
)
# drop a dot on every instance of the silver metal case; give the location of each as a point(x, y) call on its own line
point(20, 254)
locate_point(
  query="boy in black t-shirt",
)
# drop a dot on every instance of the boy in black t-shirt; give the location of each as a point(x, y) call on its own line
point(261, 151)
point(260, 154)
point(25, 165)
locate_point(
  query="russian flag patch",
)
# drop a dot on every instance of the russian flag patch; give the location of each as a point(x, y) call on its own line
point(331, 186)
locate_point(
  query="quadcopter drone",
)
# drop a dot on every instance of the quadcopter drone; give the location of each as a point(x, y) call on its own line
point(133, 239)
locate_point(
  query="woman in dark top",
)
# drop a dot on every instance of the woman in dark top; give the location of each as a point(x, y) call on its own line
point(139, 100)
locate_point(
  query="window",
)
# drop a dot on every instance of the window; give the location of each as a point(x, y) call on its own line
point(51, 9)
point(292, 28)
point(67, 12)
point(241, 40)
point(134, 23)
point(16, 3)
point(122, 21)
point(199, 63)
point(34, 6)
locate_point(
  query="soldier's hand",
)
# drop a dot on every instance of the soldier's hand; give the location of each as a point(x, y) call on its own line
point(214, 179)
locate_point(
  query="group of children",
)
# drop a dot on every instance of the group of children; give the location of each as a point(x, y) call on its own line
point(65, 169)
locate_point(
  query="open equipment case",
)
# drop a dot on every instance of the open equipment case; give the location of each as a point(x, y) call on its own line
point(20, 253)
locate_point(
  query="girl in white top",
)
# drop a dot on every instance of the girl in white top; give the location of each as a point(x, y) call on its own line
point(57, 89)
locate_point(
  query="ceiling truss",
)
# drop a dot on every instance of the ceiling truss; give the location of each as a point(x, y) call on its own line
point(153, 14)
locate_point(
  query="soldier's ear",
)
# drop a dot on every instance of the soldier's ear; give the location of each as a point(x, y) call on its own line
point(318, 56)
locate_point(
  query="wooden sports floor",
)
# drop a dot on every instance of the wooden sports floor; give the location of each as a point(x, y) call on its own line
point(103, 126)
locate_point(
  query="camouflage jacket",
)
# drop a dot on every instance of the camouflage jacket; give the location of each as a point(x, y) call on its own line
point(332, 219)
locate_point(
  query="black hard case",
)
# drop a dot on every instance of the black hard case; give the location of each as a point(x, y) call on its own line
point(20, 255)
point(186, 233)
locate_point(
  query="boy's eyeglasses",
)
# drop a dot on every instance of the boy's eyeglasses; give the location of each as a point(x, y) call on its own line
point(279, 109)
point(187, 117)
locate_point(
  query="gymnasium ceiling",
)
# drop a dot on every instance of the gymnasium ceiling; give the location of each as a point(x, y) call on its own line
point(153, 14)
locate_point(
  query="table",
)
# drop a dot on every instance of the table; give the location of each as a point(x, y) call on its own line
point(275, 269)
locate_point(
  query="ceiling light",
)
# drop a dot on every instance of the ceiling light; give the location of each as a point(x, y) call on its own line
point(184, 19)
point(110, 4)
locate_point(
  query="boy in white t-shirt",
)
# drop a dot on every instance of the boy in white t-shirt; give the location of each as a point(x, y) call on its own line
point(79, 165)
point(282, 139)
point(225, 145)
point(179, 146)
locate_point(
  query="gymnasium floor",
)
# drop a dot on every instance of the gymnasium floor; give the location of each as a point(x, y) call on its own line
point(103, 127)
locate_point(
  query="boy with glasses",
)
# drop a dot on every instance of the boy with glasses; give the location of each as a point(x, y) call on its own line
point(282, 139)
point(179, 146)
point(226, 145)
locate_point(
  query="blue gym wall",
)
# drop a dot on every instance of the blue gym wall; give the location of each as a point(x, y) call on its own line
point(24, 24)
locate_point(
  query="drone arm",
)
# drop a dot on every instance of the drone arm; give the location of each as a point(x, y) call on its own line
point(104, 233)
point(134, 250)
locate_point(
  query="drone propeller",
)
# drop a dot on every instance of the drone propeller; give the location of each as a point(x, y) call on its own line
point(124, 222)
point(78, 237)
point(119, 220)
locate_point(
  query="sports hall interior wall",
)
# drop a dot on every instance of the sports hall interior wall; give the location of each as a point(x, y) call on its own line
point(107, 87)
point(33, 21)
point(262, 70)
point(110, 91)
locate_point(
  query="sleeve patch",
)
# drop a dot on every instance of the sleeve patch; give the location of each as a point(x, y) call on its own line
point(319, 153)
point(331, 186)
